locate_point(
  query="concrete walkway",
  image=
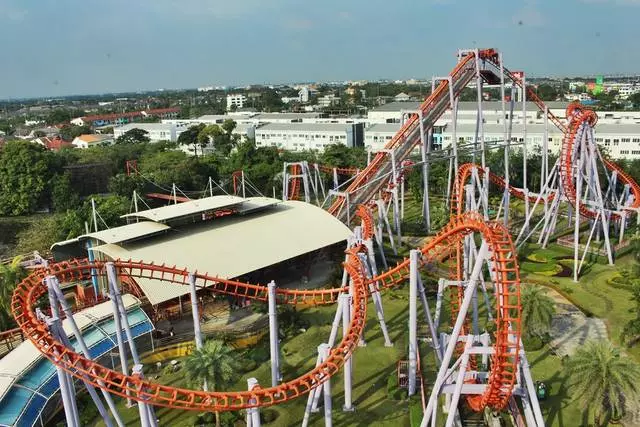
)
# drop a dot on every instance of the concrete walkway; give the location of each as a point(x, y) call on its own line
point(570, 328)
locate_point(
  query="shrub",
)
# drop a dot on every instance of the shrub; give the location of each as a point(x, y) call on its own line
point(268, 415)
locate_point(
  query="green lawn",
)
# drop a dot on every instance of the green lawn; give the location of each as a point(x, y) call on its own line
point(372, 366)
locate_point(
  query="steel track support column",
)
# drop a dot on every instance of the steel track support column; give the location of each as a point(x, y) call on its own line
point(68, 397)
point(435, 343)
point(145, 419)
point(113, 281)
point(328, 422)
point(525, 187)
point(446, 359)
point(531, 391)
point(336, 321)
point(413, 319)
point(462, 369)
point(273, 335)
point(285, 182)
point(122, 351)
point(197, 334)
point(311, 398)
point(377, 301)
point(253, 414)
point(348, 364)
point(54, 288)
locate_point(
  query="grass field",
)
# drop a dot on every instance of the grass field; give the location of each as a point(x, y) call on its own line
point(374, 364)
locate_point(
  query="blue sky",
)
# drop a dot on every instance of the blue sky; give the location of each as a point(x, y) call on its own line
point(62, 47)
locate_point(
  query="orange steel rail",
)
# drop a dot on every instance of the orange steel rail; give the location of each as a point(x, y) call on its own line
point(579, 115)
point(408, 137)
point(504, 361)
point(294, 189)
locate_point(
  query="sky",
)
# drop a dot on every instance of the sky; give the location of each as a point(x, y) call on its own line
point(64, 47)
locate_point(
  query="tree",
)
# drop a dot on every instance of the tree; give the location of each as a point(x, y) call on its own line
point(25, 171)
point(631, 330)
point(547, 92)
point(222, 137)
point(603, 380)
point(10, 276)
point(214, 365)
point(537, 310)
point(63, 196)
point(68, 132)
point(190, 136)
point(124, 185)
point(133, 136)
point(59, 115)
point(635, 100)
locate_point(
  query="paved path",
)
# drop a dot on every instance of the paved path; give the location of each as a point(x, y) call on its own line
point(570, 328)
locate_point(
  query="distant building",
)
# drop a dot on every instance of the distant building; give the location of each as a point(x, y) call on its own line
point(92, 140)
point(155, 131)
point(401, 97)
point(205, 89)
point(236, 100)
point(309, 136)
point(304, 94)
point(124, 118)
point(328, 100)
point(53, 144)
point(33, 122)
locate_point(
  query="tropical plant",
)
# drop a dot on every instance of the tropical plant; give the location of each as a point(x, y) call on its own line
point(604, 379)
point(214, 365)
point(10, 274)
point(631, 330)
point(537, 310)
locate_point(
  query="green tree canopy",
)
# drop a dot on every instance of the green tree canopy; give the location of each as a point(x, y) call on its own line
point(68, 132)
point(10, 276)
point(604, 380)
point(63, 196)
point(537, 310)
point(25, 171)
point(133, 136)
point(213, 364)
point(190, 136)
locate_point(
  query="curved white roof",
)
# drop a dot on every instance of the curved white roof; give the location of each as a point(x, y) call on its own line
point(235, 245)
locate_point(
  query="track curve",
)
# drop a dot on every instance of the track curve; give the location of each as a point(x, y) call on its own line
point(501, 379)
point(582, 118)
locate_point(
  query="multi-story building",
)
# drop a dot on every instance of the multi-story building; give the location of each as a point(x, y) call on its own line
point(309, 136)
point(235, 100)
point(304, 94)
point(92, 140)
point(123, 118)
point(155, 131)
point(328, 100)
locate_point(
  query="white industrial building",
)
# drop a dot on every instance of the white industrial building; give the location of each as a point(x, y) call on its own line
point(236, 100)
point(309, 136)
point(155, 131)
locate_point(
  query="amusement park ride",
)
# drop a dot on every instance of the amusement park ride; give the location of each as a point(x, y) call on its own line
point(474, 255)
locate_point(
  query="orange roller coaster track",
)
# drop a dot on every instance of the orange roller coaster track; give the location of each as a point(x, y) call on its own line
point(504, 360)
point(581, 117)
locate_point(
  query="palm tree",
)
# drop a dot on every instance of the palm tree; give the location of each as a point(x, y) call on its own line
point(603, 379)
point(10, 275)
point(537, 310)
point(214, 365)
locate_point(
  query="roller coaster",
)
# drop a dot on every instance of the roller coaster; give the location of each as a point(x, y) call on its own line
point(490, 369)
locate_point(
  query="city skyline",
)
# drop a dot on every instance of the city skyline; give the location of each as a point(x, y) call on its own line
point(67, 47)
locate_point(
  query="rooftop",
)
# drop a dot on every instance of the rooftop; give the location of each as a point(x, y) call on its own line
point(28, 380)
point(234, 245)
point(191, 207)
point(89, 138)
point(317, 127)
